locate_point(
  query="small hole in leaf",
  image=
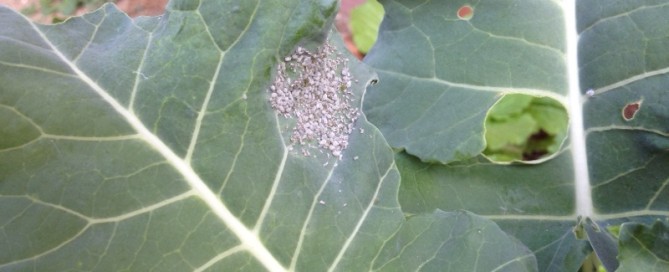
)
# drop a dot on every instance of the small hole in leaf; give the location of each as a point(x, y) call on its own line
point(524, 128)
point(465, 12)
point(630, 110)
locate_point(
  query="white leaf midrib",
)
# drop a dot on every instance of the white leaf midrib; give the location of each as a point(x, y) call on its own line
point(584, 205)
point(482, 88)
point(248, 239)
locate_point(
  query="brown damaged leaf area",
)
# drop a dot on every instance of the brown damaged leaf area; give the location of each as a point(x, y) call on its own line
point(630, 110)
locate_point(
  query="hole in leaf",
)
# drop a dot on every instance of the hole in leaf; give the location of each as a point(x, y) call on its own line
point(524, 128)
point(630, 110)
point(465, 12)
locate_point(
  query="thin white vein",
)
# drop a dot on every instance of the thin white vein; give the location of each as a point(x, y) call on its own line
point(246, 28)
point(35, 68)
point(212, 84)
point(45, 135)
point(219, 257)
point(139, 75)
point(622, 174)
point(433, 60)
point(583, 203)
point(248, 238)
point(520, 40)
point(56, 207)
point(478, 252)
point(627, 13)
point(383, 245)
point(207, 98)
point(652, 252)
point(411, 243)
point(73, 138)
point(203, 110)
point(512, 261)
point(93, 221)
point(363, 216)
point(492, 89)
point(144, 210)
point(239, 151)
point(559, 242)
point(619, 127)
point(303, 231)
point(135, 172)
point(531, 217)
point(206, 28)
point(630, 214)
point(275, 182)
point(47, 252)
point(106, 251)
point(88, 43)
point(631, 80)
point(92, 138)
point(658, 193)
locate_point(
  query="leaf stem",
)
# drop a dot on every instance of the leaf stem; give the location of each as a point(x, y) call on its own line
point(584, 205)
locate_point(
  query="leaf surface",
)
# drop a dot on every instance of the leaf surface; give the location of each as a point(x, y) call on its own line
point(440, 73)
point(149, 144)
point(644, 247)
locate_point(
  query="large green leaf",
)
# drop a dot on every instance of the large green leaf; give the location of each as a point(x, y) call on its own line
point(150, 144)
point(440, 73)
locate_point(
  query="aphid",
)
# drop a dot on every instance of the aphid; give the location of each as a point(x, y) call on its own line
point(314, 87)
point(590, 92)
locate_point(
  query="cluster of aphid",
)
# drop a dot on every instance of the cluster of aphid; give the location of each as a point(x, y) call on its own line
point(314, 88)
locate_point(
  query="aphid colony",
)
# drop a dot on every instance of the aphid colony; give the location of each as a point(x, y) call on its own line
point(314, 89)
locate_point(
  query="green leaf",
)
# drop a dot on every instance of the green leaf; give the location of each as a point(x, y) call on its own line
point(440, 73)
point(511, 133)
point(364, 24)
point(643, 247)
point(150, 144)
point(466, 237)
point(445, 74)
point(533, 203)
point(509, 106)
point(551, 116)
point(524, 128)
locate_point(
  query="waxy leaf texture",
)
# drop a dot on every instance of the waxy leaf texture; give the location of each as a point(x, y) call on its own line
point(149, 144)
point(440, 72)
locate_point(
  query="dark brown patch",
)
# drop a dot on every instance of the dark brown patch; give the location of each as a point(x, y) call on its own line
point(630, 110)
point(535, 149)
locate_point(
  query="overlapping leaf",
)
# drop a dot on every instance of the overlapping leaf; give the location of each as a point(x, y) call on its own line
point(644, 248)
point(440, 73)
